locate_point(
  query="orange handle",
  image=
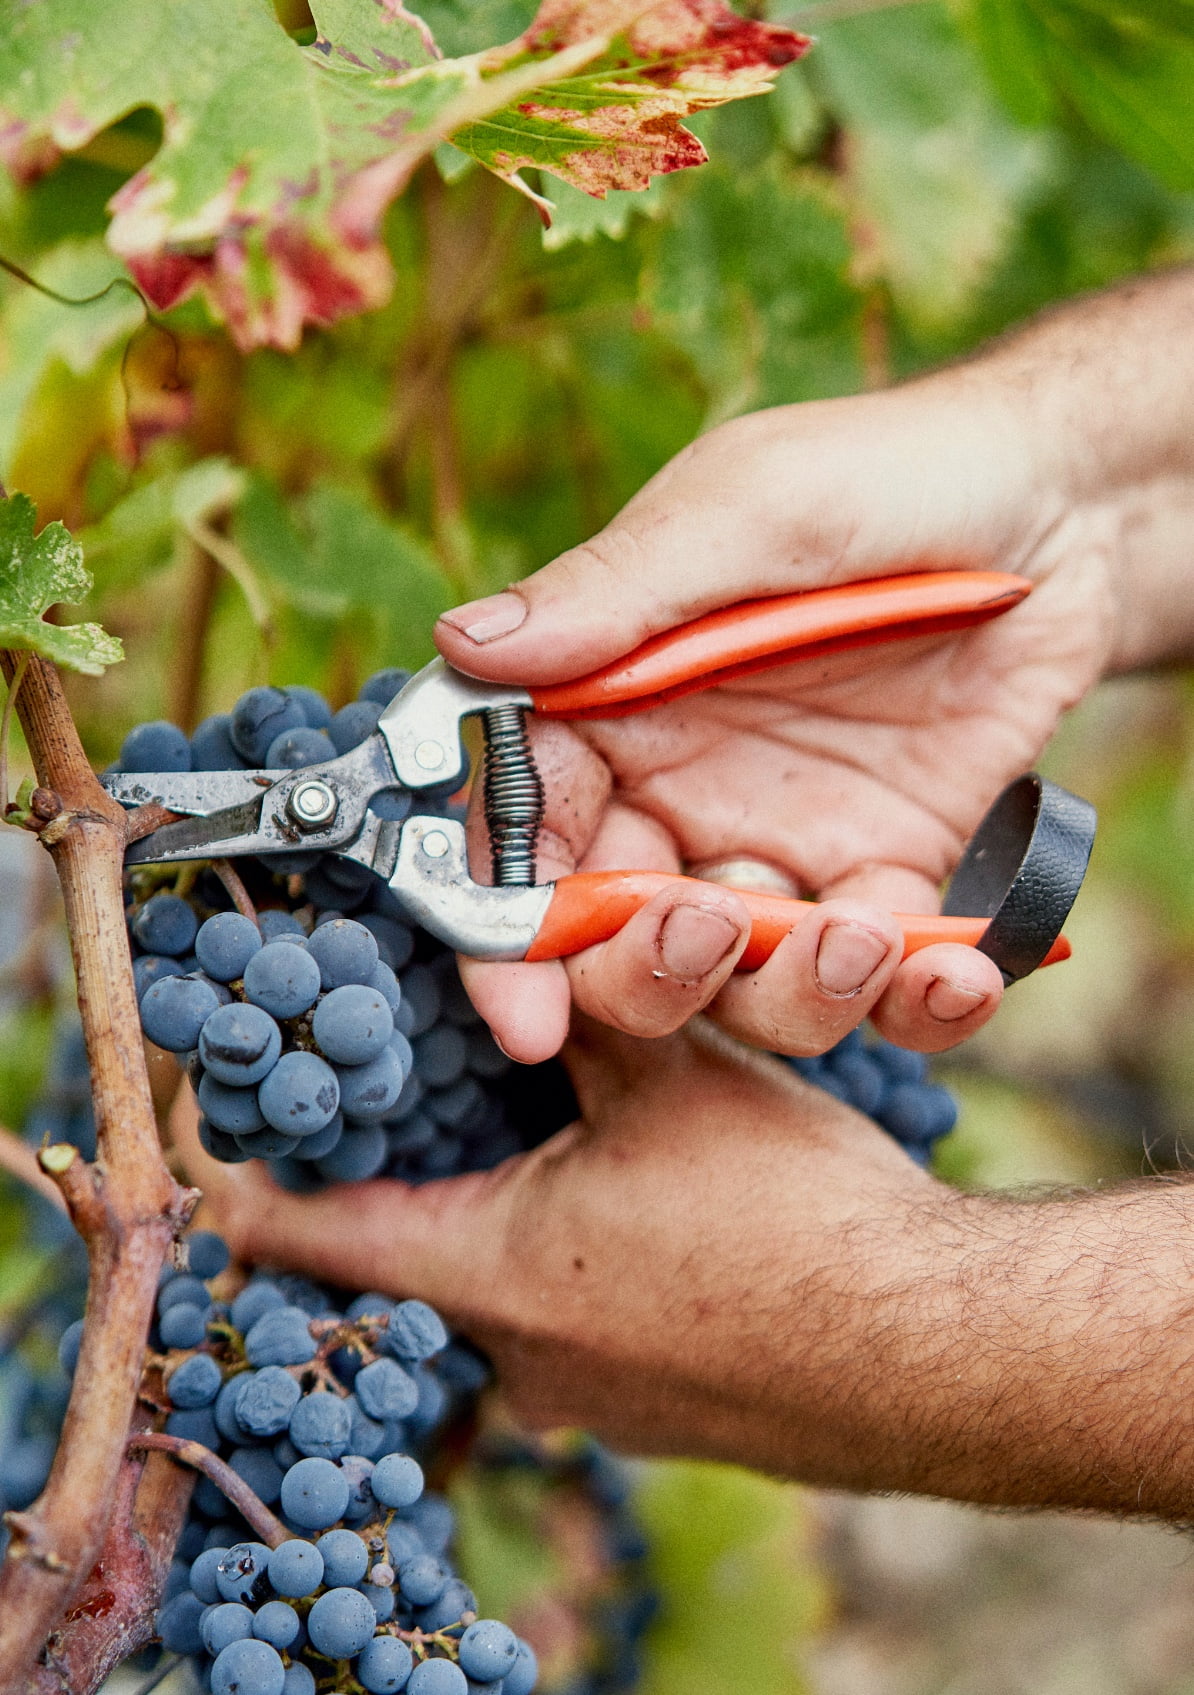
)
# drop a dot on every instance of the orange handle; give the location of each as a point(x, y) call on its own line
point(756, 635)
point(592, 906)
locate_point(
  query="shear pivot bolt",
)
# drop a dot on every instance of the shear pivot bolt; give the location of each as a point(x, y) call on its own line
point(311, 805)
point(435, 844)
point(429, 756)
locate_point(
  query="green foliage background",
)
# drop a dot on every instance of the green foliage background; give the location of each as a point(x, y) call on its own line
point(928, 176)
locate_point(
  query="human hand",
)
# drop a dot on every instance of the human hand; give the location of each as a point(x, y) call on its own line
point(857, 778)
point(760, 1275)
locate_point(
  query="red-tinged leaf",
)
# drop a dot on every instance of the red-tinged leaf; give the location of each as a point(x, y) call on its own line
point(618, 122)
point(278, 162)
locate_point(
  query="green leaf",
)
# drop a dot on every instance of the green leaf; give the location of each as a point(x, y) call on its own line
point(752, 279)
point(40, 571)
point(37, 330)
point(940, 173)
point(576, 216)
point(139, 533)
point(1127, 68)
point(278, 162)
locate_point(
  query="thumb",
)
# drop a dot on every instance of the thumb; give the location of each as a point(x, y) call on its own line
point(703, 533)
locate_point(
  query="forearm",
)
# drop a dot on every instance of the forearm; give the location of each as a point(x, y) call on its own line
point(1033, 1353)
point(1103, 389)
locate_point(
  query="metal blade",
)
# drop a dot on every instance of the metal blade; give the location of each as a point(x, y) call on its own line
point(195, 793)
point(261, 822)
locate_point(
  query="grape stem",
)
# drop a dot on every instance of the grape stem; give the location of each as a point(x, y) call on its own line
point(21, 1162)
point(237, 893)
point(128, 1209)
point(250, 1505)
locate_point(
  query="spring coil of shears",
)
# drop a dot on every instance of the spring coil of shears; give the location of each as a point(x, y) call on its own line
point(513, 796)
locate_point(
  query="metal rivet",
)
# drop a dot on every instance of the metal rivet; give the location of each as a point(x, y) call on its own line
point(435, 844)
point(312, 805)
point(429, 756)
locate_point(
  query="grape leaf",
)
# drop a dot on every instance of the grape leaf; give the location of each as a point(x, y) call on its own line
point(40, 571)
point(278, 161)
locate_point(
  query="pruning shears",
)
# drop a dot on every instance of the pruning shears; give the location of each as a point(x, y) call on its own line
point(1010, 895)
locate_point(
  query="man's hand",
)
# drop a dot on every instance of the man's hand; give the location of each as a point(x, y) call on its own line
point(720, 1260)
point(1064, 454)
point(856, 779)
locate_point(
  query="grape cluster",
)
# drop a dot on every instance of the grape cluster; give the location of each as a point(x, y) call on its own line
point(890, 1085)
point(323, 1411)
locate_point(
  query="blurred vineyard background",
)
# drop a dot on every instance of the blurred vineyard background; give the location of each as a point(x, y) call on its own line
point(927, 177)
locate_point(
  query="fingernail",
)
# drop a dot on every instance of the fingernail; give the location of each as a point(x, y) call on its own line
point(694, 939)
point(949, 1001)
point(485, 620)
point(847, 956)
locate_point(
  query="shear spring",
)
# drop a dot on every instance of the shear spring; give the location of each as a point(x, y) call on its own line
point(513, 796)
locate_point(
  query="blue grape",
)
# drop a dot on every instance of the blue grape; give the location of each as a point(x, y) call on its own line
point(174, 1011)
point(283, 979)
point(440, 1056)
point(345, 1558)
point(397, 1479)
point(240, 1044)
point(266, 1400)
point(268, 1144)
point(302, 746)
point(386, 1391)
point(233, 1110)
point(420, 993)
point(194, 1383)
point(150, 969)
point(315, 708)
point(382, 686)
point(368, 1092)
point(243, 1573)
point(258, 1297)
point(353, 723)
point(341, 1621)
point(403, 1542)
point(277, 1624)
point(383, 979)
point(220, 1145)
point(204, 1573)
point(357, 1472)
point(315, 1494)
point(298, 1680)
point(248, 1668)
point(352, 1024)
point(259, 716)
point(356, 1155)
point(183, 1326)
point(488, 1650)
point(395, 942)
point(524, 1673)
point(433, 1518)
point(274, 924)
point(182, 1290)
point(165, 925)
point(301, 1093)
point(296, 1568)
point(423, 1579)
point(281, 1337)
point(415, 1331)
point(212, 747)
point(437, 1677)
point(207, 1253)
point(384, 1665)
point(456, 1600)
point(225, 944)
point(178, 1624)
point(156, 746)
point(68, 1347)
point(194, 1424)
point(320, 1426)
point(321, 1142)
point(231, 1621)
point(344, 951)
point(381, 1599)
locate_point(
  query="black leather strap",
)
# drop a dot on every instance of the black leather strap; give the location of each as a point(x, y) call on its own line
point(1023, 869)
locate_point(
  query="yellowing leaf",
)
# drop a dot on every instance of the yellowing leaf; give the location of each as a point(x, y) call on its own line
point(40, 571)
point(278, 161)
